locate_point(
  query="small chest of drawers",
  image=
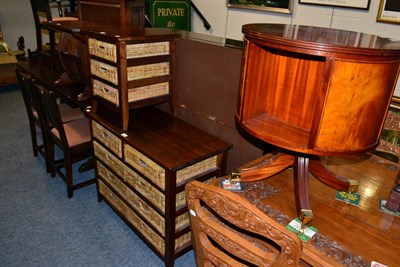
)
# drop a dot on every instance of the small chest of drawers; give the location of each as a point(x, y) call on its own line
point(132, 70)
point(142, 175)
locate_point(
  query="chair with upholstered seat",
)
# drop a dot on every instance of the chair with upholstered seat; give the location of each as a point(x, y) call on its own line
point(33, 116)
point(73, 138)
point(35, 119)
point(227, 230)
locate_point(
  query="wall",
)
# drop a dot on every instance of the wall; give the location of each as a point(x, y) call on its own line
point(16, 19)
point(227, 22)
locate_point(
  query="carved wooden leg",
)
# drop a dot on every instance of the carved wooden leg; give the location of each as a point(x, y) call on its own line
point(330, 179)
point(301, 190)
point(265, 168)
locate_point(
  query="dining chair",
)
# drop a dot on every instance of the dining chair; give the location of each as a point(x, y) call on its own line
point(35, 117)
point(24, 81)
point(73, 138)
point(227, 230)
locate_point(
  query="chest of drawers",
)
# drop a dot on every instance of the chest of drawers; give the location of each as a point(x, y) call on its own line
point(142, 175)
point(132, 70)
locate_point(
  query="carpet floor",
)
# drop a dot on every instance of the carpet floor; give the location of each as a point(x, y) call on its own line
point(40, 226)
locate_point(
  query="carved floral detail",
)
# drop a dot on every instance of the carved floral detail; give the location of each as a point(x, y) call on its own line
point(243, 218)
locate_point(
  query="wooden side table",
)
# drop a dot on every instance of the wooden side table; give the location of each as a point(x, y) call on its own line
point(314, 92)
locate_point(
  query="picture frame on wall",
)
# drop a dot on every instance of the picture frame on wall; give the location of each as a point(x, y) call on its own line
point(389, 11)
point(359, 4)
point(280, 6)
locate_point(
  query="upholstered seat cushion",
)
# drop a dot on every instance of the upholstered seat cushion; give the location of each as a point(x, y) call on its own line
point(77, 132)
point(69, 114)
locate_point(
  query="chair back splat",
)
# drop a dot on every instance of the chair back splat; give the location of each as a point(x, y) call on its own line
point(227, 230)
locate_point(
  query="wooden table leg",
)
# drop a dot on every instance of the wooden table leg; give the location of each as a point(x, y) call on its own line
point(327, 177)
point(269, 166)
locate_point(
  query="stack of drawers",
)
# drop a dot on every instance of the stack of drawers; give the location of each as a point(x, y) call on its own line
point(142, 175)
point(132, 71)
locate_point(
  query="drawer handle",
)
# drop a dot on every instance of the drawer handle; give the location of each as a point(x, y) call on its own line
point(114, 196)
point(105, 90)
point(142, 163)
point(105, 136)
point(101, 47)
point(103, 69)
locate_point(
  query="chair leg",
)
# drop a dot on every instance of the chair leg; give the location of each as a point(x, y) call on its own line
point(68, 174)
point(51, 158)
point(33, 138)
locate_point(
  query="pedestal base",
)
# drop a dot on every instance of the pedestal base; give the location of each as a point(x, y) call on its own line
point(303, 164)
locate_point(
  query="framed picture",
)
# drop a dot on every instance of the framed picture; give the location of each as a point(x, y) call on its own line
point(389, 11)
point(281, 6)
point(360, 4)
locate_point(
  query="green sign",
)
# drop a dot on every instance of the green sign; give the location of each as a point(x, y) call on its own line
point(170, 14)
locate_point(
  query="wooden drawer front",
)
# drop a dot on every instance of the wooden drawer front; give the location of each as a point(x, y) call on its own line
point(196, 169)
point(145, 165)
point(147, 49)
point(148, 91)
point(109, 159)
point(104, 71)
point(148, 71)
point(132, 217)
point(105, 91)
point(107, 138)
point(102, 49)
point(134, 200)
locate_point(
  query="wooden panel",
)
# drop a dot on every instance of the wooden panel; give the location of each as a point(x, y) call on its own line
point(356, 105)
point(286, 82)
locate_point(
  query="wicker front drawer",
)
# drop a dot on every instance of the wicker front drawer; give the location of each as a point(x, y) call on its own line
point(147, 49)
point(146, 166)
point(132, 217)
point(134, 94)
point(148, 71)
point(106, 91)
point(107, 138)
point(196, 169)
point(109, 51)
point(104, 71)
point(108, 159)
point(148, 191)
point(131, 198)
point(148, 91)
point(102, 49)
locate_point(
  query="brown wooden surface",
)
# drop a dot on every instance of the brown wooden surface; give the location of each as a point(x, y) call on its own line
point(161, 137)
point(7, 74)
point(362, 230)
point(43, 74)
point(316, 90)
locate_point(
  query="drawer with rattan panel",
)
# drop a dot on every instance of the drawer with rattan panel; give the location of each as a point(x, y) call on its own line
point(132, 71)
point(145, 185)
